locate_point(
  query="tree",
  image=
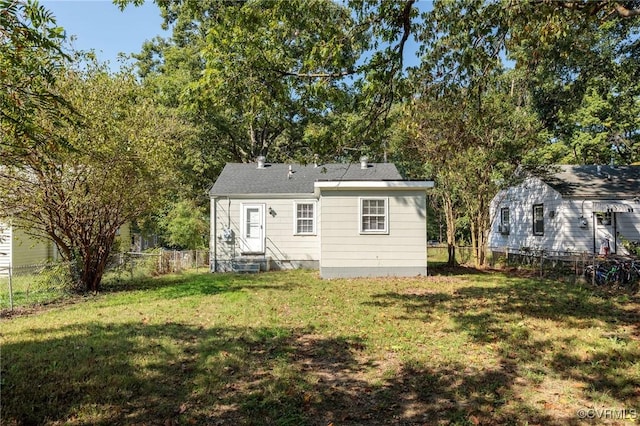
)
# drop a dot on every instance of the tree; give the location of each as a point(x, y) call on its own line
point(470, 149)
point(586, 89)
point(603, 128)
point(564, 54)
point(261, 77)
point(568, 51)
point(117, 167)
point(30, 54)
point(185, 226)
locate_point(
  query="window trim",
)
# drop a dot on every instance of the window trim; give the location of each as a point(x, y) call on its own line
point(535, 229)
point(504, 210)
point(313, 203)
point(384, 231)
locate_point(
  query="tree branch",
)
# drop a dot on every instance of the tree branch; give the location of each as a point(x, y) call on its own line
point(626, 13)
point(317, 75)
point(596, 6)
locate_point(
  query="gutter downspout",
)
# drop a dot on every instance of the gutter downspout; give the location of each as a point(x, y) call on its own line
point(213, 237)
point(593, 225)
point(426, 231)
point(614, 225)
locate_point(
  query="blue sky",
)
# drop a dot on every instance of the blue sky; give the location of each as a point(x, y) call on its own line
point(100, 25)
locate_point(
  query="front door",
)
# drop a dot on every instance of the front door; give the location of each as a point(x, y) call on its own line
point(252, 238)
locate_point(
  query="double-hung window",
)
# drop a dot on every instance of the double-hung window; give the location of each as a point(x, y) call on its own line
point(503, 226)
point(538, 219)
point(305, 218)
point(374, 215)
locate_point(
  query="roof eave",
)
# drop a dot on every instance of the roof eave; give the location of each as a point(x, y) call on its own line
point(387, 185)
point(264, 195)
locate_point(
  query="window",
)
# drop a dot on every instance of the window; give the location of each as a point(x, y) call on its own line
point(538, 219)
point(503, 227)
point(603, 218)
point(373, 216)
point(305, 218)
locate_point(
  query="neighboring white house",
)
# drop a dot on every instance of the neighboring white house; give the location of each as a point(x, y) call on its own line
point(573, 209)
point(18, 249)
point(347, 220)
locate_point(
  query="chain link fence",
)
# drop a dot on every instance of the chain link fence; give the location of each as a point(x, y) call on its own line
point(33, 285)
point(158, 262)
point(612, 271)
point(544, 262)
point(438, 253)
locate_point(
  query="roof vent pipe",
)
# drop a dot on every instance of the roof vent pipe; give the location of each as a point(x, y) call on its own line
point(599, 169)
point(364, 162)
point(261, 160)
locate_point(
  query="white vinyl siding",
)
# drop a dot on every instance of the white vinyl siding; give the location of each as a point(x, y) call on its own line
point(563, 230)
point(520, 200)
point(305, 218)
point(5, 248)
point(281, 244)
point(338, 244)
point(344, 245)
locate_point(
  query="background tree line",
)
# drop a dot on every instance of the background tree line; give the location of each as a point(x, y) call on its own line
point(501, 84)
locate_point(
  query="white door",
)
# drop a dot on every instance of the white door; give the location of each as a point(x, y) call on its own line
point(605, 232)
point(252, 238)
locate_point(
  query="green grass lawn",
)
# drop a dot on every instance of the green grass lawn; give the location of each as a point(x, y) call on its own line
point(27, 291)
point(288, 348)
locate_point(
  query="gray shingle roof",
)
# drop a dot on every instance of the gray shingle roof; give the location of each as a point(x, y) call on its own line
point(240, 178)
point(603, 182)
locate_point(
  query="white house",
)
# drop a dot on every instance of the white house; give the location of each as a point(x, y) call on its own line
point(573, 209)
point(347, 220)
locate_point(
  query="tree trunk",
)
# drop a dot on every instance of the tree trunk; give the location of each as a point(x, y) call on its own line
point(451, 253)
point(478, 239)
point(451, 230)
point(474, 243)
point(94, 262)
